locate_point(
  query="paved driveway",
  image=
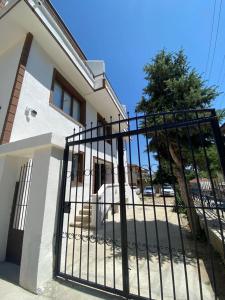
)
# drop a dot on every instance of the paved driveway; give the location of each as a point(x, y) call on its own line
point(89, 257)
point(103, 261)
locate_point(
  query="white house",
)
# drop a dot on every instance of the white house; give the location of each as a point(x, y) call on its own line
point(46, 82)
point(38, 60)
point(48, 90)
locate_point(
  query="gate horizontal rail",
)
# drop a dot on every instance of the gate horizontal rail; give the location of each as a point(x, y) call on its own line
point(154, 115)
point(138, 131)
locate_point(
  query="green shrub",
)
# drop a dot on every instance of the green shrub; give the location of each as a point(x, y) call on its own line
point(179, 204)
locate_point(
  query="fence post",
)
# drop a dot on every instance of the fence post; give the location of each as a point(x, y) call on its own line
point(39, 234)
point(219, 141)
point(123, 217)
point(61, 210)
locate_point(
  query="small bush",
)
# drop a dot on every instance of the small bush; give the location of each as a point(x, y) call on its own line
point(179, 204)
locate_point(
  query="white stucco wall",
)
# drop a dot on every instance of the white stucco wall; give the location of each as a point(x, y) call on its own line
point(41, 223)
point(9, 61)
point(35, 94)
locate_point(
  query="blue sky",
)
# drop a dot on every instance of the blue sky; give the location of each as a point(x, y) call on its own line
point(126, 34)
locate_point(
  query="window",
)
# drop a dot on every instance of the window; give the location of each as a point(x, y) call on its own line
point(104, 129)
point(76, 109)
point(67, 99)
point(77, 169)
point(66, 103)
point(100, 127)
point(103, 173)
point(57, 97)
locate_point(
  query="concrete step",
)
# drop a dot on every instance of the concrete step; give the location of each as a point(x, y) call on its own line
point(86, 206)
point(84, 225)
point(84, 218)
point(85, 212)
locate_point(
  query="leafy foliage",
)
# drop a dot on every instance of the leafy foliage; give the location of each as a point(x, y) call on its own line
point(173, 85)
point(163, 175)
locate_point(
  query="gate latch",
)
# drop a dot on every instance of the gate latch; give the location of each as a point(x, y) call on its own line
point(67, 207)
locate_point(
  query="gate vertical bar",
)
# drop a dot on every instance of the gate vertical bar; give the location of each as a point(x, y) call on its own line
point(221, 151)
point(61, 210)
point(123, 217)
point(219, 141)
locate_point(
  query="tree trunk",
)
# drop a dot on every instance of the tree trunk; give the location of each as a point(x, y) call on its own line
point(185, 194)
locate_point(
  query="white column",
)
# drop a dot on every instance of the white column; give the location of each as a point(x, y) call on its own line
point(39, 235)
point(8, 177)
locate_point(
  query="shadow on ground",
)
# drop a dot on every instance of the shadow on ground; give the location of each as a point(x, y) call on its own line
point(158, 240)
point(88, 290)
point(10, 272)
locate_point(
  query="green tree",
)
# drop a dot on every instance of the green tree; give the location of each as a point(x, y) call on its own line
point(173, 85)
point(164, 175)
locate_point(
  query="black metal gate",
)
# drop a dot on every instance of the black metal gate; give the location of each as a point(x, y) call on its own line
point(142, 207)
point(18, 215)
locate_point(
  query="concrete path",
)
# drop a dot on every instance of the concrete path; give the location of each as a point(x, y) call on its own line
point(10, 290)
point(85, 255)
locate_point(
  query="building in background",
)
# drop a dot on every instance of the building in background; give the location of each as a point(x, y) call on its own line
point(138, 176)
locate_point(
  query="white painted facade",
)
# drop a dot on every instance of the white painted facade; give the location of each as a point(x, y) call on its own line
point(42, 137)
point(35, 94)
point(50, 49)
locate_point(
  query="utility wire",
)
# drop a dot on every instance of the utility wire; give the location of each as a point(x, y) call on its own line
point(211, 36)
point(220, 77)
point(215, 45)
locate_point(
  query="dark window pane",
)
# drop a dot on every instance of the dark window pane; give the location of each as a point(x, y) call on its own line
point(100, 128)
point(76, 110)
point(77, 168)
point(57, 95)
point(67, 103)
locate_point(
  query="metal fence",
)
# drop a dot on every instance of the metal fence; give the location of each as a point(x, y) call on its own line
point(207, 195)
point(22, 196)
point(135, 242)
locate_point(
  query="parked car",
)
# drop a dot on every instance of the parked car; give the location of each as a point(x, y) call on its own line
point(167, 190)
point(149, 191)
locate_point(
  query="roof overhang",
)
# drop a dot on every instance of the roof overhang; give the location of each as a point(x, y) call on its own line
point(19, 17)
